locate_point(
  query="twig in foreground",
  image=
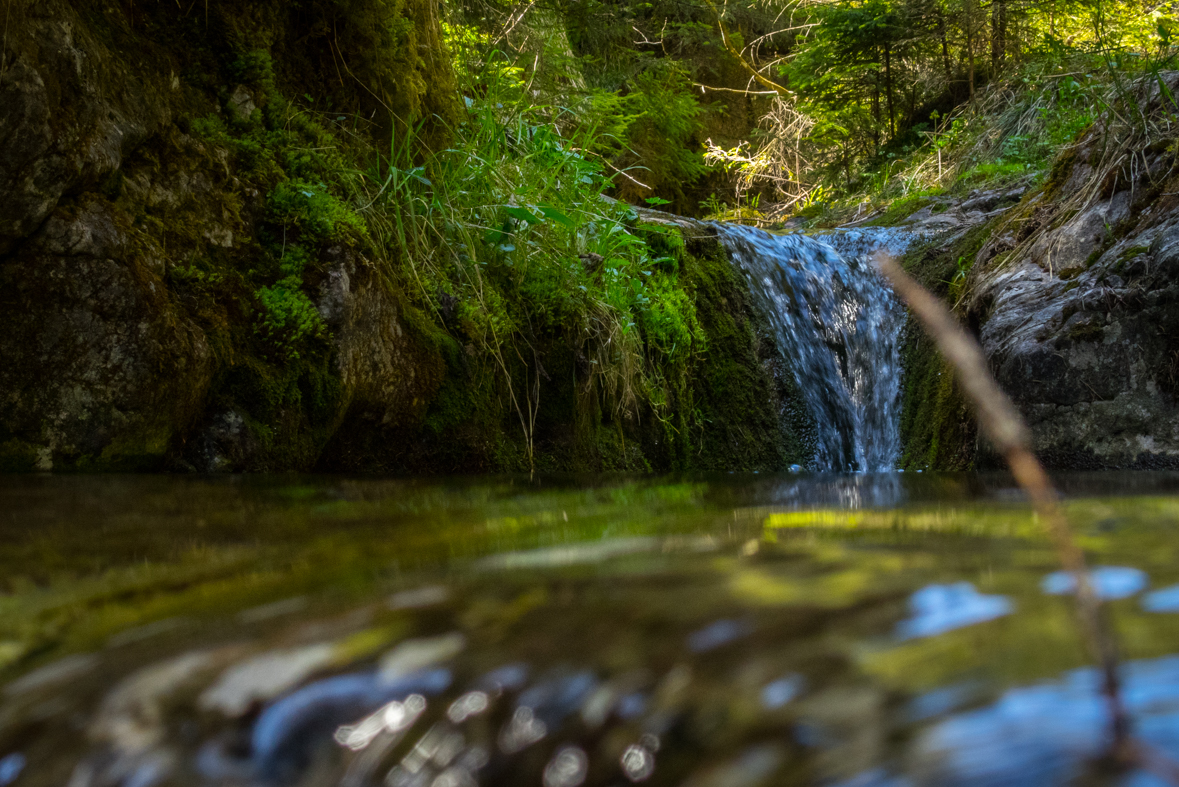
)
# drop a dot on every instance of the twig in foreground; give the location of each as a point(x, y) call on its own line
point(1002, 424)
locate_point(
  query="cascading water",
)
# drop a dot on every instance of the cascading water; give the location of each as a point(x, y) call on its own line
point(838, 324)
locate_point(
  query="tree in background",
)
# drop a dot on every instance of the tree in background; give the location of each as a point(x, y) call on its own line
point(760, 102)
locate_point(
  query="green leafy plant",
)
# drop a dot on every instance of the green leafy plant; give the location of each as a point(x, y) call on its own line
point(288, 319)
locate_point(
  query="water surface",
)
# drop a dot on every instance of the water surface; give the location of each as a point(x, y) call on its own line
point(743, 630)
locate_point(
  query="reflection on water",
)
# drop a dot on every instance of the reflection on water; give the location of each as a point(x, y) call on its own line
point(10, 768)
point(937, 609)
point(858, 490)
point(1046, 733)
point(1162, 600)
point(795, 630)
point(1109, 582)
point(717, 634)
point(781, 691)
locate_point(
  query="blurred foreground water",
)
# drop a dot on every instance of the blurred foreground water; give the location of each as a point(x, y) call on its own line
point(712, 632)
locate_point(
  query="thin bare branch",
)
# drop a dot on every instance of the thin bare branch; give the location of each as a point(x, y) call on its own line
point(1003, 425)
point(760, 78)
point(735, 90)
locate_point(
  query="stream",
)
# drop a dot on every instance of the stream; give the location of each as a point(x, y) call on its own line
point(739, 630)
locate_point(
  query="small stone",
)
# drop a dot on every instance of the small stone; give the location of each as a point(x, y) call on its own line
point(52, 674)
point(419, 598)
point(132, 716)
point(241, 104)
point(417, 654)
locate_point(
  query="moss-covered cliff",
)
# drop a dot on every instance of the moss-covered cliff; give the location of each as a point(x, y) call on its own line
point(190, 277)
point(938, 431)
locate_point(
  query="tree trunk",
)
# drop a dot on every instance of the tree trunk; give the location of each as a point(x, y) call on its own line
point(941, 31)
point(998, 34)
point(968, 7)
point(892, 124)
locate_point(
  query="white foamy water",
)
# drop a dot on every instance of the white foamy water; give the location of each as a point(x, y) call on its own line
point(838, 325)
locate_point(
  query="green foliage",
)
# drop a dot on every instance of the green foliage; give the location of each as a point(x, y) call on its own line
point(640, 73)
point(893, 97)
point(314, 211)
point(669, 321)
point(662, 135)
point(289, 319)
point(198, 274)
point(901, 208)
point(507, 239)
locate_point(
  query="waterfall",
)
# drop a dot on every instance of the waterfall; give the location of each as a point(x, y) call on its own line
point(838, 325)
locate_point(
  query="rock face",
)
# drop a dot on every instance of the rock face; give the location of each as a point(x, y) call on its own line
point(73, 110)
point(103, 195)
point(80, 309)
point(1089, 349)
point(82, 299)
point(1075, 298)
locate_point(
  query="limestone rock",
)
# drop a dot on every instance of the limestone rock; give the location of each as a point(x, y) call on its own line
point(72, 111)
point(241, 103)
point(99, 360)
point(1080, 331)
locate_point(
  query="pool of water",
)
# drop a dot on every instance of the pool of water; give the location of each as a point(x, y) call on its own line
point(711, 632)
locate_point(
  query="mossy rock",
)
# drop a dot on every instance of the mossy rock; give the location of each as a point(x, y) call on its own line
point(938, 430)
point(750, 415)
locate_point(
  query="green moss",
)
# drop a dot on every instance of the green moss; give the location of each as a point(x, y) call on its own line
point(944, 269)
point(315, 211)
point(1062, 169)
point(1087, 332)
point(993, 173)
point(667, 247)
point(938, 431)
point(291, 408)
point(901, 209)
point(1128, 255)
point(734, 420)
point(137, 452)
point(289, 319)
